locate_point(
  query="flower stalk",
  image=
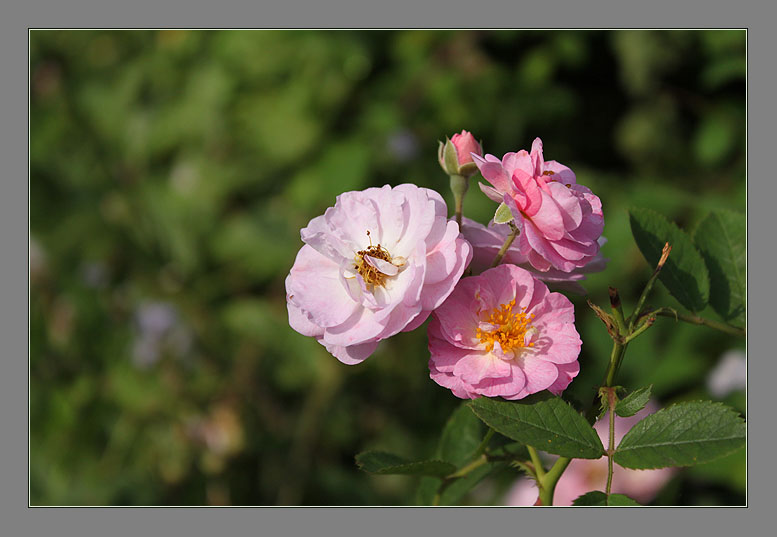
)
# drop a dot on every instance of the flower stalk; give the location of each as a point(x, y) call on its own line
point(459, 187)
point(506, 245)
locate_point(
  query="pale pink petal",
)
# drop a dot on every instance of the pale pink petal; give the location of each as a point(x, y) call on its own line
point(505, 386)
point(361, 327)
point(455, 384)
point(568, 203)
point(539, 373)
point(561, 173)
point(519, 160)
point(566, 373)
point(386, 267)
point(548, 219)
point(492, 193)
point(353, 354)
point(494, 173)
point(300, 322)
point(473, 368)
point(554, 308)
point(536, 156)
point(314, 285)
point(436, 293)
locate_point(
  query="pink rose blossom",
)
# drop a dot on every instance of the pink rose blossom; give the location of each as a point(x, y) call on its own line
point(465, 144)
point(375, 264)
point(559, 220)
point(486, 242)
point(585, 475)
point(502, 333)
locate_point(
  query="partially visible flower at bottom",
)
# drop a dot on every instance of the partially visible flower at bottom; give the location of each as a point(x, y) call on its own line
point(502, 333)
point(585, 475)
point(486, 242)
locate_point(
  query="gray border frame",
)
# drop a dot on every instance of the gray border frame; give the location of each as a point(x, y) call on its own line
point(17, 519)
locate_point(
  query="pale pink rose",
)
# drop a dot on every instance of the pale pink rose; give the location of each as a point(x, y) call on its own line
point(465, 145)
point(375, 264)
point(486, 242)
point(585, 475)
point(559, 220)
point(502, 333)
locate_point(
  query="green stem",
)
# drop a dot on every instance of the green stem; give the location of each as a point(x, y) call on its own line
point(477, 463)
point(649, 286)
point(484, 444)
point(641, 328)
point(506, 245)
point(694, 319)
point(616, 356)
point(617, 311)
point(464, 470)
point(459, 186)
point(611, 446)
point(547, 484)
point(539, 470)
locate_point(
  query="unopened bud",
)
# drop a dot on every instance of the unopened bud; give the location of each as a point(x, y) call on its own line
point(455, 155)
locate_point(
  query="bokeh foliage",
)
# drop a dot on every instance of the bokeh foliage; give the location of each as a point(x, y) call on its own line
point(171, 172)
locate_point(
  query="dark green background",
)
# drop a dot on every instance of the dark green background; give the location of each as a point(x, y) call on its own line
point(171, 172)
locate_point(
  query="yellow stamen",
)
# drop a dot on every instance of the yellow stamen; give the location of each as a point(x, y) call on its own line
point(372, 276)
point(511, 328)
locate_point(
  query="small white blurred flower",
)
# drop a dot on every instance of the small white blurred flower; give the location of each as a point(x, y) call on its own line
point(729, 375)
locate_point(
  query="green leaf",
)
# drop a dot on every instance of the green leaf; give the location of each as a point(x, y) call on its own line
point(597, 498)
point(461, 436)
point(382, 463)
point(503, 214)
point(458, 488)
point(634, 402)
point(682, 435)
point(542, 421)
point(721, 239)
point(684, 274)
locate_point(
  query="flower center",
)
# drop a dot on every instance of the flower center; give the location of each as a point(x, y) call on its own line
point(509, 328)
point(371, 274)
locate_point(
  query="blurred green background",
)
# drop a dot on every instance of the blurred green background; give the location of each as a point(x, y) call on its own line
point(171, 172)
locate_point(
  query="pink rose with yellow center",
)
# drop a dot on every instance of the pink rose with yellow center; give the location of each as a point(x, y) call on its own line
point(502, 333)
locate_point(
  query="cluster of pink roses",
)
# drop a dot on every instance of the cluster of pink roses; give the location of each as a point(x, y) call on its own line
point(382, 260)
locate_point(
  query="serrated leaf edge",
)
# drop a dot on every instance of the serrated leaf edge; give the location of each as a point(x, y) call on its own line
point(739, 418)
point(600, 446)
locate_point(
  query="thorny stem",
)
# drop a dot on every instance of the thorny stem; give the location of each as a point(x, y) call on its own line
point(694, 319)
point(611, 447)
point(649, 286)
point(506, 245)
